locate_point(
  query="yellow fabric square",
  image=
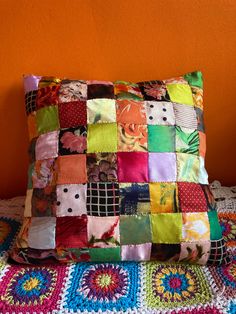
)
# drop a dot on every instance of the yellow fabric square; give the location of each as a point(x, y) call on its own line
point(180, 93)
point(163, 197)
point(101, 110)
point(102, 138)
point(166, 228)
point(196, 227)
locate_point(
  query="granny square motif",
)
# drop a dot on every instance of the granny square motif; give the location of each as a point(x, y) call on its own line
point(117, 173)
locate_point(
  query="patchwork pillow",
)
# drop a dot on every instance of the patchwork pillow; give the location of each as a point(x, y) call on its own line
point(117, 173)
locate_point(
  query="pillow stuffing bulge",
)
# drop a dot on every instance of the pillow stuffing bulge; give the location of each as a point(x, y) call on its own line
point(117, 170)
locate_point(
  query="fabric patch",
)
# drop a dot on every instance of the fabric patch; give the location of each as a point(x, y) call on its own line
point(162, 167)
point(28, 203)
point(102, 287)
point(47, 146)
point(101, 111)
point(130, 111)
point(194, 79)
point(197, 97)
point(102, 167)
point(47, 96)
point(136, 252)
point(102, 138)
point(32, 289)
point(71, 90)
point(180, 93)
point(195, 252)
point(185, 116)
point(44, 202)
point(134, 198)
point(71, 199)
point(164, 197)
point(23, 236)
point(191, 197)
point(127, 90)
point(31, 82)
point(30, 101)
point(44, 173)
point(47, 119)
point(161, 113)
point(196, 227)
point(71, 232)
point(215, 229)
point(203, 176)
point(32, 125)
point(228, 227)
point(72, 169)
point(42, 233)
point(218, 253)
point(172, 286)
point(8, 229)
point(202, 144)
point(30, 176)
point(132, 137)
point(188, 167)
point(103, 231)
point(154, 90)
point(161, 138)
point(105, 254)
point(48, 81)
point(72, 114)
point(200, 121)
point(73, 141)
point(187, 141)
point(31, 150)
point(130, 226)
point(105, 90)
point(211, 203)
point(165, 252)
point(103, 199)
point(132, 167)
point(166, 228)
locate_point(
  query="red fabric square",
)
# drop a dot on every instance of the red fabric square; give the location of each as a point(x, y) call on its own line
point(72, 114)
point(191, 197)
point(71, 232)
point(47, 96)
point(132, 167)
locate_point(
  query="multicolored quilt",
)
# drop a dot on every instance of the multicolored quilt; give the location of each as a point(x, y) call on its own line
point(123, 287)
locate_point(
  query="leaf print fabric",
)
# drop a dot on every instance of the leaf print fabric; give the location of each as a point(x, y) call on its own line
point(187, 141)
point(132, 137)
point(130, 111)
point(164, 197)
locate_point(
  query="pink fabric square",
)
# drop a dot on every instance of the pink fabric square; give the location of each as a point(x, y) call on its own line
point(132, 167)
point(136, 252)
point(47, 146)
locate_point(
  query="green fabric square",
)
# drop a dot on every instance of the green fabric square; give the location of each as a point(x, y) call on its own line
point(166, 228)
point(215, 228)
point(187, 141)
point(135, 229)
point(161, 138)
point(194, 79)
point(102, 138)
point(180, 93)
point(188, 167)
point(47, 119)
point(105, 254)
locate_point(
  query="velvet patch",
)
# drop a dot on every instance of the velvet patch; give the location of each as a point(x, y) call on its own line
point(44, 202)
point(47, 96)
point(132, 167)
point(72, 114)
point(162, 167)
point(102, 138)
point(101, 89)
point(73, 141)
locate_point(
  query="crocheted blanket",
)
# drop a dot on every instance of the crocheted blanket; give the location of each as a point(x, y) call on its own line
point(118, 287)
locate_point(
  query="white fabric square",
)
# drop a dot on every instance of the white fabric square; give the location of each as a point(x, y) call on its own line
point(42, 232)
point(203, 176)
point(136, 252)
point(71, 200)
point(185, 116)
point(47, 146)
point(101, 110)
point(160, 112)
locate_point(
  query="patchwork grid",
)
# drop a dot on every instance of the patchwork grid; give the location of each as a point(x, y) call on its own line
point(108, 136)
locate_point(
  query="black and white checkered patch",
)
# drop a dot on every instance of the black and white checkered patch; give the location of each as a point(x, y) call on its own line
point(103, 199)
point(30, 101)
point(218, 253)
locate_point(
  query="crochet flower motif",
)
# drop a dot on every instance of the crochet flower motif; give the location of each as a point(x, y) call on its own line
point(228, 230)
point(104, 282)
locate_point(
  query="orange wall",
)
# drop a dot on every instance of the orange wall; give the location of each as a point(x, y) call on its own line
point(108, 40)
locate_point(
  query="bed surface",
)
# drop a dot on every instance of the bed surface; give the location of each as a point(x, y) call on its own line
point(118, 287)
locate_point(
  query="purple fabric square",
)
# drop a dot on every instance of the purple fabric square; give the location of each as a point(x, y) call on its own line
point(162, 167)
point(31, 82)
point(47, 146)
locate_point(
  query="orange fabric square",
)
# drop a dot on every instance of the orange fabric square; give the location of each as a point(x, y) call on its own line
point(202, 144)
point(72, 169)
point(130, 111)
point(32, 127)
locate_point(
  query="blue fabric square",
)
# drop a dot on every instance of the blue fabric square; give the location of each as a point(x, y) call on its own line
point(8, 230)
point(107, 286)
